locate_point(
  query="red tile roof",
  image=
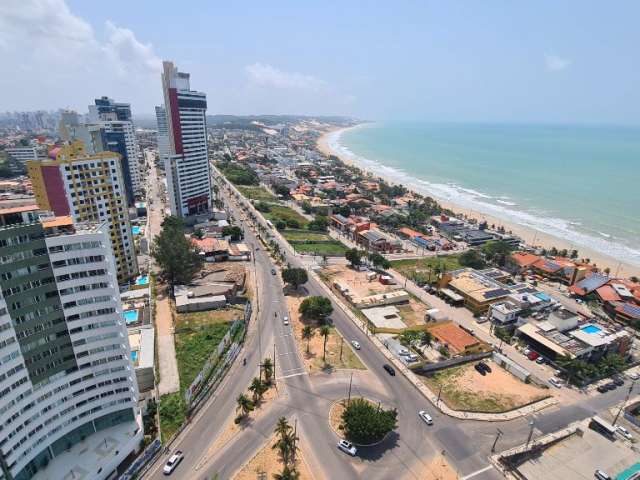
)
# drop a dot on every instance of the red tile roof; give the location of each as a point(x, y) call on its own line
point(608, 294)
point(524, 259)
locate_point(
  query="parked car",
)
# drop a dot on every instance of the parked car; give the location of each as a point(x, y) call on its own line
point(482, 319)
point(355, 344)
point(426, 417)
point(624, 432)
point(600, 475)
point(173, 462)
point(533, 355)
point(479, 369)
point(618, 380)
point(611, 386)
point(555, 382)
point(485, 366)
point(540, 360)
point(526, 351)
point(411, 358)
point(273, 271)
point(347, 447)
point(285, 320)
point(602, 388)
point(390, 370)
point(634, 376)
point(403, 352)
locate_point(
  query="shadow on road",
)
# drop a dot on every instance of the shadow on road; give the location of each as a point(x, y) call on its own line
point(376, 452)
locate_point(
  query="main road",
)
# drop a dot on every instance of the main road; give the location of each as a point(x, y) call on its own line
point(307, 398)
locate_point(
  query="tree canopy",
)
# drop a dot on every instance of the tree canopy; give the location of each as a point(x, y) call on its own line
point(232, 231)
point(176, 256)
point(379, 261)
point(365, 423)
point(497, 251)
point(316, 308)
point(472, 258)
point(354, 256)
point(295, 276)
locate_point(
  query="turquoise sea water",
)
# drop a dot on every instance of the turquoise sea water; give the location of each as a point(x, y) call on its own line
point(578, 183)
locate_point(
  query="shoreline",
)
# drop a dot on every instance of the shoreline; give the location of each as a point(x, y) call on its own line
point(528, 234)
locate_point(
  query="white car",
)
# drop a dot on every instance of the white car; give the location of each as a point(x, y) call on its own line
point(555, 382)
point(634, 376)
point(624, 432)
point(355, 344)
point(347, 447)
point(426, 417)
point(403, 352)
point(173, 462)
point(285, 320)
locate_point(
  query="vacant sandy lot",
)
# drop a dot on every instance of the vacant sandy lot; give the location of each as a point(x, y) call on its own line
point(267, 461)
point(357, 282)
point(463, 388)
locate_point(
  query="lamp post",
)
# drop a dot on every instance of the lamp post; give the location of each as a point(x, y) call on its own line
point(498, 435)
point(531, 424)
point(624, 403)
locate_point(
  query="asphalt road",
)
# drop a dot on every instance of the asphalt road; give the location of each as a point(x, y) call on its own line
point(466, 444)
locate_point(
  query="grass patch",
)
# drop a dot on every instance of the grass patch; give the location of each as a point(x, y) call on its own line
point(280, 212)
point(349, 359)
point(257, 193)
point(194, 347)
point(195, 320)
point(172, 414)
point(418, 270)
point(334, 248)
point(305, 236)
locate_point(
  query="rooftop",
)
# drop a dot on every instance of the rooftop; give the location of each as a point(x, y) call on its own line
point(455, 337)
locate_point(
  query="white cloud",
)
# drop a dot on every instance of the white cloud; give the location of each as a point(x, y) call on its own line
point(268, 76)
point(56, 58)
point(555, 63)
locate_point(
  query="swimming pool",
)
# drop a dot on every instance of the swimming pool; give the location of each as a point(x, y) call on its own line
point(130, 316)
point(591, 329)
point(142, 280)
point(136, 230)
point(134, 356)
point(631, 473)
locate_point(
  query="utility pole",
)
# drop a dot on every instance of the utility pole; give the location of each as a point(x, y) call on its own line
point(275, 383)
point(349, 396)
point(439, 392)
point(498, 435)
point(341, 342)
point(624, 403)
point(531, 424)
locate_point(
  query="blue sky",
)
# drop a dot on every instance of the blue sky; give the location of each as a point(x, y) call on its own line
point(490, 61)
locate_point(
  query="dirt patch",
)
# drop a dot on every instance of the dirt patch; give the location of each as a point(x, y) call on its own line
point(413, 313)
point(267, 462)
point(357, 282)
point(335, 416)
point(312, 350)
point(463, 388)
point(437, 469)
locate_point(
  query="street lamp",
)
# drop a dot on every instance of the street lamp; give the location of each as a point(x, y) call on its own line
point(531, 424)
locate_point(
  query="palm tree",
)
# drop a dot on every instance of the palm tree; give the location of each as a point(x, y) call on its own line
point(257, 388)
point(282, 427)
point(287, 474)
point(324, 331)
point(307, 333)
point(267, 366)
point(426, 338)
point(286, 442)
point(245, 405)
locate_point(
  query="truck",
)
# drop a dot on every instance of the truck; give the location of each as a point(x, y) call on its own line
point(435, 315)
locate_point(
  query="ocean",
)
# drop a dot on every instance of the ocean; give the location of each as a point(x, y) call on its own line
point(577, 183)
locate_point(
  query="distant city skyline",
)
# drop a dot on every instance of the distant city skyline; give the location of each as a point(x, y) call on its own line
point(490, 62)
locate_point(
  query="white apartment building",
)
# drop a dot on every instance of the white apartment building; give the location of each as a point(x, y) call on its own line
point(66, 382)
point(22, 154)
point(162, 136)
point(187, 164)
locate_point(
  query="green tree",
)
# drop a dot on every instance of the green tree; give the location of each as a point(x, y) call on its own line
point(365, 423)
point(318, 224)
point(306, 207)
point(174, 253)
point(408, 337)
point(267, 367)
point(316, 308)
point(426, 338)
point(307, 334)
point(293, 223)
point(244, 405)
point(257, 388)
point(497, 251)
point(288, 473)
point(472, 259)
point(324, 331)
point(232, 231)
point(354, 256)
point(283, 191)
point(281, 224)
point(295, 277)
point(379, 261)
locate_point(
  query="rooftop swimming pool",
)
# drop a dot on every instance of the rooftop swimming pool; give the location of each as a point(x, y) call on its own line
point(136, 230)
point(142, 280)
point(593, 329)
point(134, 356)
point(130, 316)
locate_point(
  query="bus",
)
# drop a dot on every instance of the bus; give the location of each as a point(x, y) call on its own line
point(603, 427)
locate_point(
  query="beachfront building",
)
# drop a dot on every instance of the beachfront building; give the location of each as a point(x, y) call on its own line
point(69, 396)
point(187, 164)
point(89, 188)
point(162, 137)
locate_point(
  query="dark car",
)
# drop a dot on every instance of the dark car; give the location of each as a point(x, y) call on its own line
point(602, 388)
point(390, 370)
point(479, 369)
point(618, 380)
point(273, 271)
point(485, 366)
point(611, 386)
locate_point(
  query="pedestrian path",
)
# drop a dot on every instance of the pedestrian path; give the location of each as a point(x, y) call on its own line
point(168, 366)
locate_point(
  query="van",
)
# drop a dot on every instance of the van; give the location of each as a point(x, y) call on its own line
point(600, 475)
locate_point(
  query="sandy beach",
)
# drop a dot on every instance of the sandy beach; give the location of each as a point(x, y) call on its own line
point(533, 237)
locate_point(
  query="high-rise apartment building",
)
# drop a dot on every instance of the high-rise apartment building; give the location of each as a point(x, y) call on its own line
point(68, 405)
point(162, 136)
point(89, 188)
point(187, 168)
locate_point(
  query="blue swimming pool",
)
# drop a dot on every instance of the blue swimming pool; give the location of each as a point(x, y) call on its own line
point(142, 280)
point(591, 329)
point(136, 230)
point(130, 316)
point(631, 473)
point(134, 356)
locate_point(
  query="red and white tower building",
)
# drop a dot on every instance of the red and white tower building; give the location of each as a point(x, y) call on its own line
point(187, 163)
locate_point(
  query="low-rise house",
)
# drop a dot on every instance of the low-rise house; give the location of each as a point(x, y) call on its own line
point(454, 338)
point(504, 313)
point(520, 262)
point(389, 298)
point(377, 241)
point(478, 290)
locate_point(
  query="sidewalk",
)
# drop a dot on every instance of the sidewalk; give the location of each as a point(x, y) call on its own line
point(169, 378)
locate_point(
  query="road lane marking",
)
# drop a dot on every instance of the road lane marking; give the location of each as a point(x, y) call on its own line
point(292, 375)
point(477, 472)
